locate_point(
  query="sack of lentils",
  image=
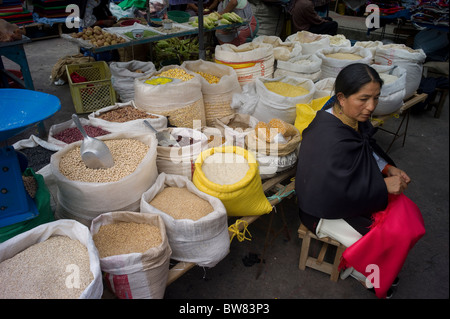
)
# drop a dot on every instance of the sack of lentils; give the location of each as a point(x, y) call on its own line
point(134, 253)
point(174, 92)
point(126, 117)
point(84, 193)
point(56, 260)
point(196, 222)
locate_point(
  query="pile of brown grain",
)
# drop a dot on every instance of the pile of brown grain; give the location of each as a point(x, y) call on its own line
point(180, 203)
point(126, 238)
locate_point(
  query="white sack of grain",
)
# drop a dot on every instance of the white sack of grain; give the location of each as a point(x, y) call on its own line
point(310, 42)
point(205, 241)
point(282, 51)
point(271, 105)
point(84, 201)
point(181, 101)
point(339, 40)
point(324, 87)
point(371, 45)
point(124, 73)
point(303, 66)
point(392, 92)
point(405, 57)
point(159, 122)
point(249, 60)
point(69, 280)
point(216, 96)
point(136, 275)
point(179, 160)
point(334, 59)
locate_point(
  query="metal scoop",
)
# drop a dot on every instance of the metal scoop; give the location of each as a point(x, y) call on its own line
point(94, 153)
point(164, 138)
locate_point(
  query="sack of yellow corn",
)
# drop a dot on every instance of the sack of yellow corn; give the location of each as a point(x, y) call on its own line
point(218, 83)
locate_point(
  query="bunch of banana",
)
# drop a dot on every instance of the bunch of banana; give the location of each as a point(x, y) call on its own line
point(231, 17)
point(209, 21)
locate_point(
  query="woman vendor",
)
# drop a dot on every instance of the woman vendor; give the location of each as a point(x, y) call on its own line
point(244, 10)
point(350, 190)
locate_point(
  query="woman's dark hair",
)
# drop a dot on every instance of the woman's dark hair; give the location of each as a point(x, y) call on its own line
point(354, 76)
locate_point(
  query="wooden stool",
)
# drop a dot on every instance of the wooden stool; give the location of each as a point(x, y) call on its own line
point(318, 263)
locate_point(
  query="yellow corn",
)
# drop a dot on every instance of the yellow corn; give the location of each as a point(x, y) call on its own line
point(212, 79)
point(177, 73)
point(285, 89)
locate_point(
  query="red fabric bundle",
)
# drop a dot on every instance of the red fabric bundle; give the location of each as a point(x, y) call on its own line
point(393, 234)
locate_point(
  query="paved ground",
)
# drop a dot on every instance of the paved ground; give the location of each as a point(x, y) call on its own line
point(425, 275)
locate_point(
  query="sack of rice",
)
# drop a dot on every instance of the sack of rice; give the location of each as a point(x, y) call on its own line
point(303, 66)
point(339, 40)
point(277, 97)
point(334, 59)
point(84, 193)
point(392, 92)
point(275, 145)
point(173, 92)
point(371, 45)
point(310, 42)
point(249, 60)
point(235, 127)
point(180, 159)
point(126, 117)
point(134, 253)
point(123, 75)
point(405, 57)
point(196, 223)
point(219, 83)
point(65, 133)
point(231, 174)
point(56, 260)
point(282, 51)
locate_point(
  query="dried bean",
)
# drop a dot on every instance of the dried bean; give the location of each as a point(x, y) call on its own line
point(73, 134)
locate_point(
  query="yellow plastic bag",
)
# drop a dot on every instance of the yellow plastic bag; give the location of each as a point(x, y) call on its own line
point(243, 198)
point(306, 112)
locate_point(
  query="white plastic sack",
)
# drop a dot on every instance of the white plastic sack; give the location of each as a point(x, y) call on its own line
point(138, 125)
point(405, 57)
point(339, 40)
point(124, 73)
point(303, 66)
point(310, 42)
point(371, 45)
point(324, 87)
point(58, 128)
point(249, 60)
point(270, 165)
point(331, 66)
point(180, 101)
point(136, 275)
point(282, 51)
point(69, 228)
point(216, 96)
point(180, 160)
point(392, 94)
point(204, 241)
point(271, 105)
point(84, 201)
point(235, 127)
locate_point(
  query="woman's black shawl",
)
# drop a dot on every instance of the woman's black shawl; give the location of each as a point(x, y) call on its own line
point(337, 175)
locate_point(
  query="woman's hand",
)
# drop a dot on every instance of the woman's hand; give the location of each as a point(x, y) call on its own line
point(396, 181)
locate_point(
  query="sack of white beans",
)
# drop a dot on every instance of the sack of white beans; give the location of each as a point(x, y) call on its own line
point(334, 59)
point(134, 253)
point(51, 261)
point(84, 193)
point(204, 241)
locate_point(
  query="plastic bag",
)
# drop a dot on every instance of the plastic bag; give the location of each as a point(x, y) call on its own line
point(306, 112)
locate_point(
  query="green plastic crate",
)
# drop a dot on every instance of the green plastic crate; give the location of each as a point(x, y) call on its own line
point(97, 92)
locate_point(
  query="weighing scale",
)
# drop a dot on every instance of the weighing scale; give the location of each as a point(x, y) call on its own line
point(19, 109)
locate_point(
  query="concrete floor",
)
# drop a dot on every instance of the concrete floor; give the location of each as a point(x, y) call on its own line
point(425, 157)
